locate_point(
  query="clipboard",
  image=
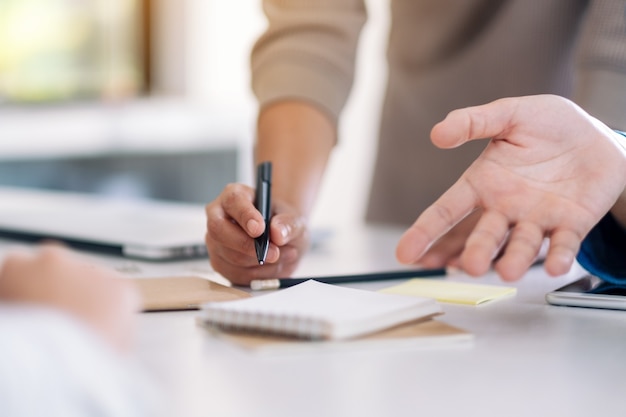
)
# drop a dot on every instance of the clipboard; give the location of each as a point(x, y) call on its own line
point(182, 292)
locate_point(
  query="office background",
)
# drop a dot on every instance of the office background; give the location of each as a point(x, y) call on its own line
point(151, 99)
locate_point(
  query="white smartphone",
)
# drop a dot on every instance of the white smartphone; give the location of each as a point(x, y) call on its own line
point(589, 291)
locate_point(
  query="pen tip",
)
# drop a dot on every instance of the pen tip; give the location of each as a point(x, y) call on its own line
point(261, 262)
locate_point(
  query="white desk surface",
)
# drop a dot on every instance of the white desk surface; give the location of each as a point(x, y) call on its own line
point(528, 358)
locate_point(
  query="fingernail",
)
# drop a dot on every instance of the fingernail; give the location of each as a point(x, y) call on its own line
point(284, 231)
point(252, 225)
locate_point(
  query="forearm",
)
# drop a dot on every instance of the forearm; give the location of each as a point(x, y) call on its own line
point(298, 138)
point(302, 73)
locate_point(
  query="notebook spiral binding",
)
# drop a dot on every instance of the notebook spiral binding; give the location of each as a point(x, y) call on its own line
point(276, 324)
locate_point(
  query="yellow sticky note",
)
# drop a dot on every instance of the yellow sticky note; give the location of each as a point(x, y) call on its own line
point(451, 292)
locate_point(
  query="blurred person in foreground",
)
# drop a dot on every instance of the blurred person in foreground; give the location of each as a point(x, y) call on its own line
point(67, 330)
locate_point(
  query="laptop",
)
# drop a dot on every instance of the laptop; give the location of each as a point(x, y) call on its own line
point(140, 229)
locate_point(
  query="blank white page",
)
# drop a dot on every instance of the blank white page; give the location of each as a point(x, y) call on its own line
point(319, 311)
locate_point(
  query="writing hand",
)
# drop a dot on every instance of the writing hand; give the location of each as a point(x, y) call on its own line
point(232, 224)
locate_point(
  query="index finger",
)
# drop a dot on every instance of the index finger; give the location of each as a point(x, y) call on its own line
point(452, 207)
point(237, 201)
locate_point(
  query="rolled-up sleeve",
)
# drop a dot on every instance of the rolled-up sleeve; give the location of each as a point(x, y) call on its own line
point(600, 86)
point(308, 52)
point(53, 365)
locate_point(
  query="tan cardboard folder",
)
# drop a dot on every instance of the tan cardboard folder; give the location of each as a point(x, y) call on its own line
point(183, 293)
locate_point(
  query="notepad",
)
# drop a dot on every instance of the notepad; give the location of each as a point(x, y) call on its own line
point(314, 310)
point(451, 292)
point(421, 334)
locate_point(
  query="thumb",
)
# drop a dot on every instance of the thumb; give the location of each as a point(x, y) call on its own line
point(286, 227)
point(473, 123)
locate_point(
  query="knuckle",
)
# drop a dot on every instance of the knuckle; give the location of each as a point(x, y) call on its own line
point(528, 234)
point(488, 234)
point(215, 226)
point(51, 254)
point(444, 213)
point(233, 194)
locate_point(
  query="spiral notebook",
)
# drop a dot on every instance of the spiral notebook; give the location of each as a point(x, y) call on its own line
point(420, 334)
point(318, 311)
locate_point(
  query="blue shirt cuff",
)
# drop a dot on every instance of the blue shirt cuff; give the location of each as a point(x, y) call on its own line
point(603, 253)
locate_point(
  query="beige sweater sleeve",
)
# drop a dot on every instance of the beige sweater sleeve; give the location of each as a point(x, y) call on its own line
point(601, 62)
point(308, 52)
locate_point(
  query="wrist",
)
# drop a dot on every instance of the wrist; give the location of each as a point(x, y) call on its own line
point(619, 208)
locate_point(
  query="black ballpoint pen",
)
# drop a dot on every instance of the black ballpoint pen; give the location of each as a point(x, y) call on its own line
point(274, 284)
point(262, 202)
